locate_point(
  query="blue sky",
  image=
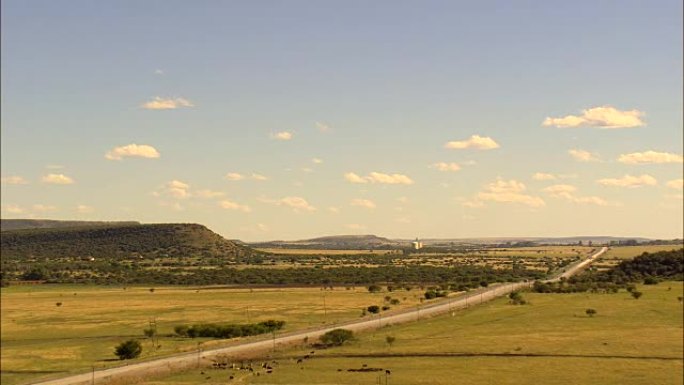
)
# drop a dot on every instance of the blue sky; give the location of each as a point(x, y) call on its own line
point(372, 90)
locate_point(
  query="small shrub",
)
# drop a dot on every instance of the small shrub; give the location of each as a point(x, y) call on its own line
point(337, 337)
point(590, 312)
point(58, 304)
point(374, 309)
point(128, 350)
point(637, 294)
point(651, 281)
point(374, 288)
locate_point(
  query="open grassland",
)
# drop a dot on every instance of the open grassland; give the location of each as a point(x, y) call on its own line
point(628, 252)
point(42, 339)
point(283, 251)
point(617, 254)
point(550, 341)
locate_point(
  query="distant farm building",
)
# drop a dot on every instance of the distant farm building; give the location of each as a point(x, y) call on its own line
point(417, 245)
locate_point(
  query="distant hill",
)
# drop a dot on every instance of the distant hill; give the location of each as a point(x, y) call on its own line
point(334, 242)
point(21, 224)
point(119, 240)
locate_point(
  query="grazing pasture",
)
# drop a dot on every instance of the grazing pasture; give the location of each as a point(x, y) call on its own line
point(551, 340)
point(40, 338)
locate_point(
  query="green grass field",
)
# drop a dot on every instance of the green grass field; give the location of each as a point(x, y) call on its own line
point(629, 252)
point(40, 339)
point(550, 341)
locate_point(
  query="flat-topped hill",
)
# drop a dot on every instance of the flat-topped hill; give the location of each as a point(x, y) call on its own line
point(22, 224)
point(120, 240)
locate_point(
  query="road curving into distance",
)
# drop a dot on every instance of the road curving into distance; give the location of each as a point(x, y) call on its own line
point(202, 357)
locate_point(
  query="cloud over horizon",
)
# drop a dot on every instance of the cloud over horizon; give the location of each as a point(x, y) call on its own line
point(132, 151)
point(605, 117)
point(230, 205)
point(567, 192)
point(629, 181)
point(445, 167)
point(475, 142)
point(282, 135)
point(504, 191)
point(583, 156)
point(650, 157)
point(57, 179)
point(378, 177)
point(159, 103)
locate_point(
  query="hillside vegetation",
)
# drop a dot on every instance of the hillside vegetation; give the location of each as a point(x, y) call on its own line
point(133, 240)
point(22, 224)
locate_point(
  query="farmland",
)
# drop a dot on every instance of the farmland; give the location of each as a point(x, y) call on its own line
point(551, 340)
point(40, 338)
point(53, 330)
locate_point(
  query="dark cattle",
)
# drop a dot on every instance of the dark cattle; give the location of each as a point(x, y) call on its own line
point(387, 371)
point(299, 361)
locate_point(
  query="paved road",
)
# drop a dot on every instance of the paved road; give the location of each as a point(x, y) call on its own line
point(192, 359)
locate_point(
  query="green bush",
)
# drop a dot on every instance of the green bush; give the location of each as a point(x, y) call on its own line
point(128, 350)
point(337, 337)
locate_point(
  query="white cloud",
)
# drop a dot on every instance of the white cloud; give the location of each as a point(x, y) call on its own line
point(651, 157)
point(378, 177)
point(230, 205)
point(583, 156)
point(132, 151)
point(159, 103)
point(57, 179)
point(443, 166)
point(334, 210)
point(159, 72)
point(234, 176)
point(503, 186)
point(84, 209)
point(208, 194)
point(354, 178)
point(258, 177)
point(600, 117)
point(543, 176)
point(363, 203)
point(282, 135)
point(677, 184)
point(629, 181)
point(178, 189)
point(317, 160)
point(560, 189)
point(322, 127)
point(43, 208)
point(307, 170)
point(297, 203)
point(567, 192)
point(13, 179)
point(13, 209)
point(356, 226)
point(476, 142)
point(293, 202)
point(503, 191)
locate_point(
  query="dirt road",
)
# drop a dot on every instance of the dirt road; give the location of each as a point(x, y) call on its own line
point(188, 360)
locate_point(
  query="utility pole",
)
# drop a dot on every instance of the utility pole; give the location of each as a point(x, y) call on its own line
point(93, 378)
point(325, 310)
point(199, 352)
point(274, 345)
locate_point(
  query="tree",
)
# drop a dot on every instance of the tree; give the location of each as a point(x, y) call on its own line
point(516, 298)
point(128, 350)
point(58, 304)
point(390, 340)
point(35, 275)
point(484, 283)
point(373, 309)
point(637, 294)
point(590, 312)
point(337, 337)
point(374, 288)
